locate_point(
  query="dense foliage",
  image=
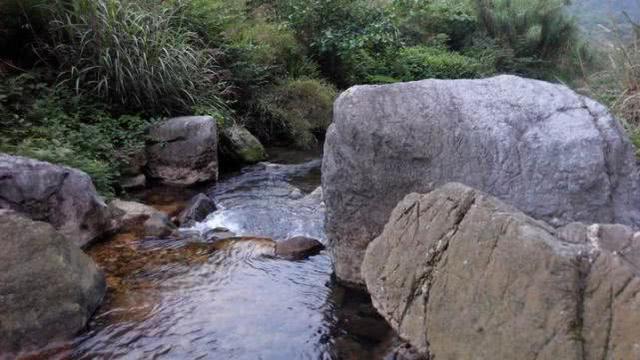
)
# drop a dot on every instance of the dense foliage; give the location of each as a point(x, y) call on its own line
point(81, 79)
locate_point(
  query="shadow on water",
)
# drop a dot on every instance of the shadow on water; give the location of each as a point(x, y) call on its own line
point(197, 300)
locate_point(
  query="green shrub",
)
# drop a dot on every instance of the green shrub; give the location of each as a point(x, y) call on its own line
point(416, 63)
point(295, 110)
point(212, 19)
point(539, 33)
point(337, 32)
point(419, 21)
point(54, 125)
point(135, 54)
point(268, 44)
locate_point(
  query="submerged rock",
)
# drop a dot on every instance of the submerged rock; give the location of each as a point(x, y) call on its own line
point(462, 275)
point(159, 225)
point(48, 287)
point(556, 155)
point(183, 151)
point(239, 146)
point(140, 219)
point(298, 247)
point(197, 210)
point(62, 196)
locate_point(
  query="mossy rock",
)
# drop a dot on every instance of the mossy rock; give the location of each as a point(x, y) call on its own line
point(238, 145)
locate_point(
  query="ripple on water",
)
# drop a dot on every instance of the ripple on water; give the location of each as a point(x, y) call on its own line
point(170, 299)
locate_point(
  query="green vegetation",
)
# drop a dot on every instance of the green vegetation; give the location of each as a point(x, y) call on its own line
point(81, 79)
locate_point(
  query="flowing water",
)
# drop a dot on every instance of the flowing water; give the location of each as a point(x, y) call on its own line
point(187, 299)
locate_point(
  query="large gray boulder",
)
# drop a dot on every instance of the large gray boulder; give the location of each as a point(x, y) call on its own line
point(59, 195)
point(183, 151)
point(541, 147)
point(48, 287)
point(462, 275)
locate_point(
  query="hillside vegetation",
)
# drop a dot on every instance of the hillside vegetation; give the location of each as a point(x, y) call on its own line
point(82, 79)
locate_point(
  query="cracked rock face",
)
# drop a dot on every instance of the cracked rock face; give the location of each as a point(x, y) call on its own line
point(59, 195)
point(48, 287)
point(541, 147)
point(462, 275)
point(183, 151)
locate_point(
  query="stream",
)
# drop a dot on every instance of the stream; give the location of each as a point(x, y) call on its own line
point(183, 299)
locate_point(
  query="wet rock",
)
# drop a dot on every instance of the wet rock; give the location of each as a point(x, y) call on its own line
point(135, 182)
point(140, 219)
point(557, 156)
point(133, 164)
point(197, 210)
point(239, 146)
point(159, 225)
point(462, 275)
point(183, 151)
point(405, 352)
point(219, 233)
point(48, 287)
point(247, 246)
point(62, 196)
point(298, 247)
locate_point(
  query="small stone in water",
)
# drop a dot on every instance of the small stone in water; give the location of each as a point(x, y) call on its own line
point(298, 247)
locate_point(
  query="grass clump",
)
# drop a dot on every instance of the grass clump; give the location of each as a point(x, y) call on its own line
point(421, 62)
point(137, 55)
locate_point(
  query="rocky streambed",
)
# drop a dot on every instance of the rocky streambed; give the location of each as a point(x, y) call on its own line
point(230, 299)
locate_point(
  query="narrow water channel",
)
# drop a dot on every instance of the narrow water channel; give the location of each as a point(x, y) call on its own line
point(185, 299)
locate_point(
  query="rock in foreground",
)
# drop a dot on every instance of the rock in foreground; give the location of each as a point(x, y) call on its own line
point(541, 147)
point(461, 275)
point(183, 151)
point(48, 287)
point(59, 195)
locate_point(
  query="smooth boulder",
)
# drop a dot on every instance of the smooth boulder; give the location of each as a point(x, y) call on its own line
point(183, 151)
point(60, 195)
point(239, 146)
point(48, 287)
point(462, 275)
point(556, 155)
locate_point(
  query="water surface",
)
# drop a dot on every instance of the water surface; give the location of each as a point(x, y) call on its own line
point(187, 299)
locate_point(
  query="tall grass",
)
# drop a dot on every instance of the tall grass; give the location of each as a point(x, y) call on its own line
point(617, 83)
point(138, 54)
point(538, 32)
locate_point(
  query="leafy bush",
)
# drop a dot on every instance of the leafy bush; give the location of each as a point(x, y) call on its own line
point(138, 56)
point(212, 19)
point(58, 127)
point(419, 21)
point(416, 63)
point(268, 44)
point(295, 110)
point(338, 32)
